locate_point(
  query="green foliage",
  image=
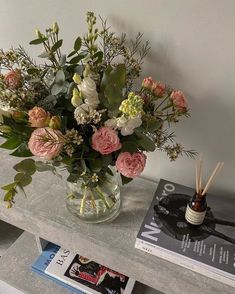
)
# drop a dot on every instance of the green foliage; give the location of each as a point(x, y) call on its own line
point(112, 84)
point(77, 44)
point(26, 168)
point(22, 151)
point(57, 45)
point(11, 143)
point(125, 180)
point(146, 143)
point(38, 41)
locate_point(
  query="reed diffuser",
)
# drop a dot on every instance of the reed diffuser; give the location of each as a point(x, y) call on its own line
point(196, 208)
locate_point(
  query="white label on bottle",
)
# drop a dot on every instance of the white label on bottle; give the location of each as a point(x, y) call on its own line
point(194, 217)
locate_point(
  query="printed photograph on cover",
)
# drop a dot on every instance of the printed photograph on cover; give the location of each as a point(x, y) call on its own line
point(165, 228)
point(96, 276)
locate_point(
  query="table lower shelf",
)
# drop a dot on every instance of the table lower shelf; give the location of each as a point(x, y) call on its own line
point(15, 270)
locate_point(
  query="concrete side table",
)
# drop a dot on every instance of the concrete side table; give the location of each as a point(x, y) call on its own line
point(44, 215)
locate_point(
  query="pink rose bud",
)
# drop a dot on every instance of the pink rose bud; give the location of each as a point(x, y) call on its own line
point(179, 100)
point(105, 141)
point(46, 143)
point(147, 83)
point(131, 165)
point(38, 117)
point(18, 115)
point(13, 79)
point(158, 88)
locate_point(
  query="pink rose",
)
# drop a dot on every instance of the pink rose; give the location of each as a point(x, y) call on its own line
point(179, 100)
point(105, 140)
point(147, 82)
point(46, 143)
point(38, 117)
point(158, 88)
point(13, 79)
point(131, 165)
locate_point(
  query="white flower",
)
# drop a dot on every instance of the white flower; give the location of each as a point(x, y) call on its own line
point(127, 125)
point(86, 114)
point(81, 114)
point(88, 90)
point(111, 123)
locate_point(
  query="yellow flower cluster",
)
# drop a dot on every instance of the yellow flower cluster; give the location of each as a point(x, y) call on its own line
point(132, 106)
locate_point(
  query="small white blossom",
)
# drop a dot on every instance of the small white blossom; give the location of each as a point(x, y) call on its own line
point(94, 178)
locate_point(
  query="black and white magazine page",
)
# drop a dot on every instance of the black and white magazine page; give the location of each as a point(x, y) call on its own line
point(209, 247)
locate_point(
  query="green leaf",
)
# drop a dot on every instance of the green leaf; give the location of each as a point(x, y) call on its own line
point(146, 143)
point(9, 186)
point(96, 165)
point(60, 77)
point(9, 195)
point(26, 166)
point(42, 166)
point(114, 96)
point(153, 125)
point(37, 41)
point(56, 89)
point(11, 143)
point(49, 102)
point(109, 171)
point(106, 160)
point(76, 59)
point(72, 53)
point(77, 44)
point(22, 151)
point(129, 146)
point(57, 45)
point(23, 179)
point(32, 70)
point(125, 180)
point(98, 57)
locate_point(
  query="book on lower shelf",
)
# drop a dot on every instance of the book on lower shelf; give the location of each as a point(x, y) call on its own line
point(208, 249)
point(79, 274)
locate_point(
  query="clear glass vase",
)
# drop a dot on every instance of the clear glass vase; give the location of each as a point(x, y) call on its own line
point(97, 204)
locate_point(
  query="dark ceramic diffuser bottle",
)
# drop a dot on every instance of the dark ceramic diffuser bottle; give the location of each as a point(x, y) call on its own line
point(196, 209)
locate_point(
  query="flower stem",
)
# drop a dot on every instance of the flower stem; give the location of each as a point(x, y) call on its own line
point(99, 192)
point(83, 201)
point(93, 201)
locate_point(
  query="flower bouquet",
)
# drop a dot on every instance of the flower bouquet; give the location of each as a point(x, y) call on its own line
point(84, 113)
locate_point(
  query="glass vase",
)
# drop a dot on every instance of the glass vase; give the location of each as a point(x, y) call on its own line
point(95, 204)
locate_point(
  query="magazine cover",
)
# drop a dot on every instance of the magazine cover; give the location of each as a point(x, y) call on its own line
point(44, 260)
point(87, 275)
point(208, 248)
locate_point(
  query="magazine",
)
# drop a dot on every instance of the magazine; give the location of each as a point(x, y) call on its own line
point(44, 260)
point(208, 249)
point(87, 275)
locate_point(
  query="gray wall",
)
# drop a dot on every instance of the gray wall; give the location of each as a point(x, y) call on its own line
point(193, 49)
